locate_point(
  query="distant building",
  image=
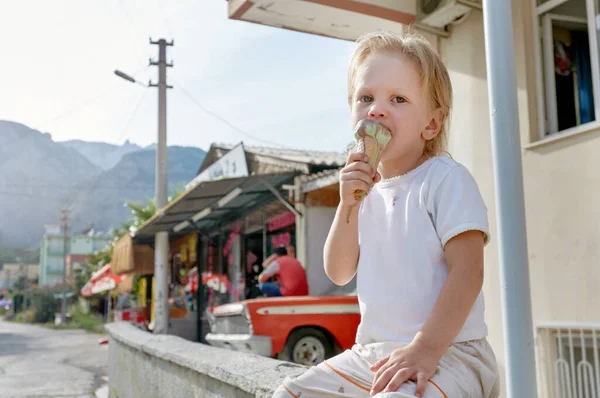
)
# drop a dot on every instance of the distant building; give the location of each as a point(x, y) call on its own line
point(79, 247)
point(10, 274)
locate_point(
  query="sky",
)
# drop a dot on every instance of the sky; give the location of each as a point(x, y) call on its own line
point(277, 87)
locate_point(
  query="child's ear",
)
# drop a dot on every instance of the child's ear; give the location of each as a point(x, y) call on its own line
point(434, 126)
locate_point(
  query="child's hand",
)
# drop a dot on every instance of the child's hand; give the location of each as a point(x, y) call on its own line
point(412, 362)
point(357, 174)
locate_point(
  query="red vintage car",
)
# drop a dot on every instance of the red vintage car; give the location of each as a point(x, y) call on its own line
point(305, 330)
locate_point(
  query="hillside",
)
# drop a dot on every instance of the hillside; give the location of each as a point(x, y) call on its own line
point(39, 176)
point(36, 175)
point(101, 201)
point(106, 156)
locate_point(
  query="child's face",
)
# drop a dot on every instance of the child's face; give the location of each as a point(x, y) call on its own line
point(388, 88)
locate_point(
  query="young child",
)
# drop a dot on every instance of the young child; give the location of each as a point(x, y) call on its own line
point(415, 242)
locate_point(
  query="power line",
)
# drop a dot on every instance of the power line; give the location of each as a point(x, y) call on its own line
point(135, 34)
point(227, 122)
point(79, 107)
point(77, 189)
point(10, 193)
point(88, 102)
point(83, 184)
point(124, 130)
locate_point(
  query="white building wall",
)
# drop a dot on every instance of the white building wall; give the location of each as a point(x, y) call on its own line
point(318, 223)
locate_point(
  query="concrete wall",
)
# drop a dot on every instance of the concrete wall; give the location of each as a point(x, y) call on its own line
point(145, 365)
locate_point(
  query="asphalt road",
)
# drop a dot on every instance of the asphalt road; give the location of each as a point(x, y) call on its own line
point(40, 362)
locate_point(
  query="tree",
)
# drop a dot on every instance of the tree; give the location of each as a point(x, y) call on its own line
point(142, 212)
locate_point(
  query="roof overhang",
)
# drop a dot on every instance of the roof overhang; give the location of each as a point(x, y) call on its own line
point(320, 180)
point(341, 19)
point(213, 203)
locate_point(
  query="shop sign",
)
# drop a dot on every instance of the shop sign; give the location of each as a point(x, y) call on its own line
point(281, 240)
point(234, 234)
point(142, 292)
point(231, 165)
point(282, 221)
point(193, 248)
point(183, 253)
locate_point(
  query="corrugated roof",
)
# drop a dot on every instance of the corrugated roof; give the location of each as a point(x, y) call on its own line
point(324, 158)
point(253, 194)
point(320, 180)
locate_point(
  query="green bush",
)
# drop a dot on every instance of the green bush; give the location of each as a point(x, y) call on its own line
point(27, 316)
point(43, 304)
point(87, 321)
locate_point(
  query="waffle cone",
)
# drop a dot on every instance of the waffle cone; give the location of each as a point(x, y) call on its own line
point(371, 139)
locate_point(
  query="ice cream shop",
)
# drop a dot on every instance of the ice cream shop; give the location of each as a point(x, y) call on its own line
point(244, 202)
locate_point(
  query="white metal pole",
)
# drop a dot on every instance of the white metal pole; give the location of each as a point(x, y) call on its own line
point(508, 173)
point(161, 246)
point(65, 225)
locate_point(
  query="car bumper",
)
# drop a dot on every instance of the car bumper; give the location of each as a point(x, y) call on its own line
point(260, 345)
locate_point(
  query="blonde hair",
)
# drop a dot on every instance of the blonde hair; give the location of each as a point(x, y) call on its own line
point(434, 75)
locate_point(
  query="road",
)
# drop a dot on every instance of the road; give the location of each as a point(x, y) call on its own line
point(40, 362)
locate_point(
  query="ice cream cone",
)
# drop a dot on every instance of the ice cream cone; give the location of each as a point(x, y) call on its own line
point(371, 139)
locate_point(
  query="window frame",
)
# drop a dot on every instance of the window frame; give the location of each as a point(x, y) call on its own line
point(545, 84)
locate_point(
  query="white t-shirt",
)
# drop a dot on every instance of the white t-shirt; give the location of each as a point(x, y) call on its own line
point(404, 224)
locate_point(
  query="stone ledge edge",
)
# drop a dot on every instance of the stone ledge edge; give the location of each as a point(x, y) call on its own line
point(181, 352)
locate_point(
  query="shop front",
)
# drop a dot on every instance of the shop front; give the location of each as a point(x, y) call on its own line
point(234, 213)
point(235, 255)
point(220, 233)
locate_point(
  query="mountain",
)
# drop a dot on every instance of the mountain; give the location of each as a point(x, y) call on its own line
point(36, 175)
point(103, 155)
point(101, 200)
point(39, 176)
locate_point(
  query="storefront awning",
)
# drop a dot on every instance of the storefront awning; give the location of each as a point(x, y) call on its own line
point(341, 19)
point(102, 281)
point(213, 203)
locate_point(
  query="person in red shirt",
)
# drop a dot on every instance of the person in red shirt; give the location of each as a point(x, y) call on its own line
point(292, 277)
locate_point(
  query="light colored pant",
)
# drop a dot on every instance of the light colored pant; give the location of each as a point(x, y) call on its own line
point(467, 370)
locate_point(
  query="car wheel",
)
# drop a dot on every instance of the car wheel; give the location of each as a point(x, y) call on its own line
point(307, 346)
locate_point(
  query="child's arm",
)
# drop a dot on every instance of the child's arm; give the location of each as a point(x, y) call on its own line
point(341, 247)
point(464, 258)
point(418, 360)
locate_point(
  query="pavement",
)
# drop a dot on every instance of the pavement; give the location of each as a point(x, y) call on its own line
point(37, 362)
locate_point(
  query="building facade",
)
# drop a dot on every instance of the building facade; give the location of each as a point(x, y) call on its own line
point(53, 256)
point(558, 86)
point(11, 273)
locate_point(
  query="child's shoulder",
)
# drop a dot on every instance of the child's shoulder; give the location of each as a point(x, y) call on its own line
point(441, 166)
point(449, 178)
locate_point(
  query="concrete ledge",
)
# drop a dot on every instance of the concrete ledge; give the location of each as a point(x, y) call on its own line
point(145, 365)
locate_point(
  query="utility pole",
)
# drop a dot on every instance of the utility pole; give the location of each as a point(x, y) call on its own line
point(64, 218)
point(510, 203)
point(161, 239)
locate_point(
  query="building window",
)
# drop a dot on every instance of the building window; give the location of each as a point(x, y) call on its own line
point(568, 66)
point(568, 363)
